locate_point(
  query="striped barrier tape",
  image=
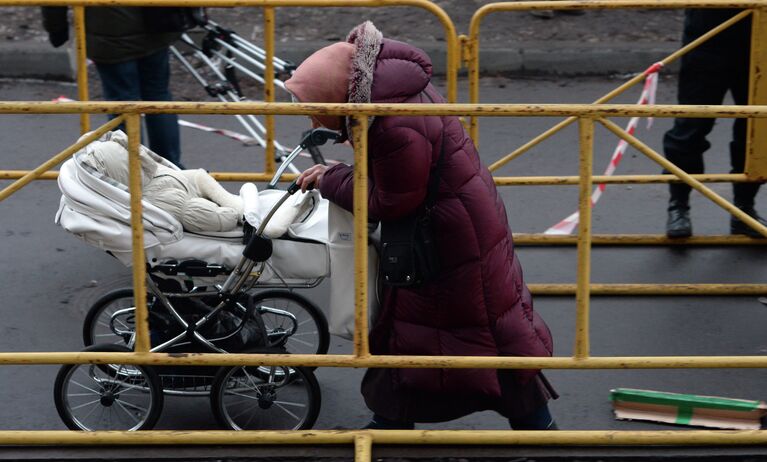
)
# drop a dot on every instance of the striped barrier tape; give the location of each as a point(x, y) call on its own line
point(568, 225)
point(237, 136)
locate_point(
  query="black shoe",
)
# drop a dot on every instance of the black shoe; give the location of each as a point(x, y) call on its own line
point(678, 224)
point(738, 227)
point(382, 423)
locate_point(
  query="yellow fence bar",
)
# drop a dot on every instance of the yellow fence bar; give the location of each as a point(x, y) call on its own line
point(16, 174)
point(385, 361)
point(756, 147)
point(363, 445)
point(474, 73)
point(636, 239)
point(499, 180)
point(269, 164)
point(447, 109)
point(435, 437)
point(78, 13)
point(653, 289)
point(58, 158)
point(133, 129)
point(671, 167)
point(616, 179)
point(582, 296)
point(360, 141)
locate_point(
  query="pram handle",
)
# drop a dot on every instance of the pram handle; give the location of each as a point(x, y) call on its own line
point(316, 137)
point(293, 187)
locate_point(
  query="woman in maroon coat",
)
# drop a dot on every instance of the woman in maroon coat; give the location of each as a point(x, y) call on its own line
point(479, 305)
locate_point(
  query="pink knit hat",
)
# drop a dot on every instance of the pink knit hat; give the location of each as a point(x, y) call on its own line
point(324, 78)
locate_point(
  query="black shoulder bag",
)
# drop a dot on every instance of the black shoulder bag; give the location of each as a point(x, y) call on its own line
point(408, 251)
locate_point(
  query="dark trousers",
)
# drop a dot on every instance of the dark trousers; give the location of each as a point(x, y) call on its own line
point(705, 77)
point(146, 79)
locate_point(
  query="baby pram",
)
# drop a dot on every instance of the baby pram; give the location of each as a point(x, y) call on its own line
point(202, 297)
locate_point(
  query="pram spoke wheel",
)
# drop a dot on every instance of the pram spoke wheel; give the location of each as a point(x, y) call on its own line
point(111, 318)
point(278, 308)
point(118, 397)
point(244, 398)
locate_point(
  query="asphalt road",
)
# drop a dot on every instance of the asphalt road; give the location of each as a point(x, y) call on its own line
point(49, 278)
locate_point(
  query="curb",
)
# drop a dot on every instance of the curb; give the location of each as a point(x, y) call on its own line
point(534, 58)
point(40, 60)
point(35, 60)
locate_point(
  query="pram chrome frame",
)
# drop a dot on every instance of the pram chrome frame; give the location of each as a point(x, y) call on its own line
point(227, 296)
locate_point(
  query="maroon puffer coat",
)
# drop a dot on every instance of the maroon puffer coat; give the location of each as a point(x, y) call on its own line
point(480, 305)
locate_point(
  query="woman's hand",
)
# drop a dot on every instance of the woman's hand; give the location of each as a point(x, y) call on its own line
point(311, 177)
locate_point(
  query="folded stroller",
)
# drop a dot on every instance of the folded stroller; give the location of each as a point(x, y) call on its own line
point(203, 296)
point(218, 59)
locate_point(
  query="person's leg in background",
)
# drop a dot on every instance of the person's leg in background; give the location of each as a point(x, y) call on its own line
point(162, 129)
point(119, 82)
point(701, 81)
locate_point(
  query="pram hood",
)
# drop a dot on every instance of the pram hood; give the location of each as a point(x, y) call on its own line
point(96, 208)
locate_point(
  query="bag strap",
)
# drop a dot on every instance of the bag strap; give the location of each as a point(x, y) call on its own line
point(433, 186)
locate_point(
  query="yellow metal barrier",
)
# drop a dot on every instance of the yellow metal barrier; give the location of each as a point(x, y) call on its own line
point(364, 439)
point(756, 156)
point(586, 115)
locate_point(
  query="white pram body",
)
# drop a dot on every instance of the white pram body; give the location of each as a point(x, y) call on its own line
point(97, 209)
point(318, 245)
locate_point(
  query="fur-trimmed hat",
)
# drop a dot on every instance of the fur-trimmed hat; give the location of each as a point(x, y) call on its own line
point(339, 73)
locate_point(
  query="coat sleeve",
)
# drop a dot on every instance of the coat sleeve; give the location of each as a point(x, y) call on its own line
point(398, 176)
point(55, 19)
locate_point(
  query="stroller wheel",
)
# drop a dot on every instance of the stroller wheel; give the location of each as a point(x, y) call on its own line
point(242, 398)
point(310, 333)
point(120, 397)
point(111, 318)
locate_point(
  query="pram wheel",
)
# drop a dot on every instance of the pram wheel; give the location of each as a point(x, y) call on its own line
point(111, 318)
point(119, 397)
point(310, 333)
point(244, 398)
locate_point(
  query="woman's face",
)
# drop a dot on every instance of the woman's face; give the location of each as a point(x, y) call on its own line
point(330, 122)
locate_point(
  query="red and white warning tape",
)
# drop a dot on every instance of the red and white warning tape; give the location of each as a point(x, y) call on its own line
point(569, 224)
point(241, 137)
